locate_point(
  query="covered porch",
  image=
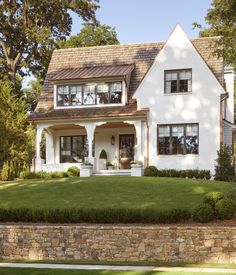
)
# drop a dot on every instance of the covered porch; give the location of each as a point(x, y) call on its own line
point(76, 142)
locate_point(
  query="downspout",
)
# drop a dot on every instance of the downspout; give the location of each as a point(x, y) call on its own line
point(147, 142)
point(223, 98)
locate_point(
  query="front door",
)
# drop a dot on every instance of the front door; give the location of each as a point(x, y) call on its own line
point(126, 151)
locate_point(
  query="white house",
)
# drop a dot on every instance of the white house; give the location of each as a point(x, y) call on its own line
point(168, 104)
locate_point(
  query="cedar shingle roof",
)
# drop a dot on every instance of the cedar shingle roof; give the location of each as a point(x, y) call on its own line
point(142, 55)
point(93, 72)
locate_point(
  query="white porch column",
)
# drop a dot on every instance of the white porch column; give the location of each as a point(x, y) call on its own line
point(138, 128)
point(38, 160)
point(49, 147)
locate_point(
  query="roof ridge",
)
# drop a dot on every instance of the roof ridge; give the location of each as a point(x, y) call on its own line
point(134, 44)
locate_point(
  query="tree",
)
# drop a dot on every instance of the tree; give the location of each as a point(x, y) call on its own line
point(92, 36)
point(221, 18)
point(13, 126)
point(29, 29)
point(32, 93)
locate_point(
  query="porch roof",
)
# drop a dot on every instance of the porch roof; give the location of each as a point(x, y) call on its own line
point(91, 113)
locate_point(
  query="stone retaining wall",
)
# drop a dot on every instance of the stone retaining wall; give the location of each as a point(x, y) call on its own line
point(119, 243)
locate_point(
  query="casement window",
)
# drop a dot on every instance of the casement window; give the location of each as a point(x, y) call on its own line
point(177, 139)
point(89, 94)
point(73, 148)
point(178, 81)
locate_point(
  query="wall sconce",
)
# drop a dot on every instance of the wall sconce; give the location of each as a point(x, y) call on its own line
point(112, 140)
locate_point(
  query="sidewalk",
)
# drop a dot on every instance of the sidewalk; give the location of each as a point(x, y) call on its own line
point(110, 267)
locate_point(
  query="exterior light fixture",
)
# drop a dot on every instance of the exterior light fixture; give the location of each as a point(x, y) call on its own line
point(112, 140)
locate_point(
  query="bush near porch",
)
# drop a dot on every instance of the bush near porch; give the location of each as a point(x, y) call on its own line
point(104, 199)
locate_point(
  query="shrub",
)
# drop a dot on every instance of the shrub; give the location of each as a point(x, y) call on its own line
point(103, 154)
point(203, 213)
point(225, 209)
point(107, 215)
point(55, 175)
point(231, 194)
point(73, 171)
point(150, 171)
point(188, 173)
point(224, 168)
point(43, 175)
point(212, 198)
point(28, 175)
point(5, 172)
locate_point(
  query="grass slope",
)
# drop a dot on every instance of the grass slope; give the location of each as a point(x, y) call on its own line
point(112, 192)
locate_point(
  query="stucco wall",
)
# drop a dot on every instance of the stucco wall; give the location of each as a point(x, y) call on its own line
point(119, 243)
point(201, 106)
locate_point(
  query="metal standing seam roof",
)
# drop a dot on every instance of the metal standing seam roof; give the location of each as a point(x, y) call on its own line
point(94, 72)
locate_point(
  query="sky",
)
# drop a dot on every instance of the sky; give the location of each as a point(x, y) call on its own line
point(148, 20)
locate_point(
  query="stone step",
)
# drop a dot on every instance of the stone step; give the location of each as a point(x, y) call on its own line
point(121, 172)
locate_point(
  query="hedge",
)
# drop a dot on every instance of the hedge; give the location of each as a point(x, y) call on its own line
point(94, 215)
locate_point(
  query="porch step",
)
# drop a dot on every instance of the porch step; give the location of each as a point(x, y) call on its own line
point(121, 172)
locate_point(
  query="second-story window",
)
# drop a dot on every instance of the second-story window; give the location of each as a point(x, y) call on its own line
point(89, 94)
point(178, 81)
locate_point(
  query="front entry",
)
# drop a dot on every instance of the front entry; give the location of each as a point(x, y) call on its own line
point(126, 151)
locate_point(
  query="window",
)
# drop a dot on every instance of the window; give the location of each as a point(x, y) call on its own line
point(178, 81)
point(73, 148)
point(89, 94)
point(177, 139)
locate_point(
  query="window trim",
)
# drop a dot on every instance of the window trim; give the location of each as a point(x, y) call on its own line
point(71, 144)
point(178, 85)
point(123, 96)
point(172, 125)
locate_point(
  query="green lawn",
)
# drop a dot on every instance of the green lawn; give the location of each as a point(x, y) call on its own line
point(29, 271)
point(113, 192)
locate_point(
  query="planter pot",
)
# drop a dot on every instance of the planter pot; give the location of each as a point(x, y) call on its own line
point(86, 170)
point(102, 164)
point(110, 167)
point(136, 171)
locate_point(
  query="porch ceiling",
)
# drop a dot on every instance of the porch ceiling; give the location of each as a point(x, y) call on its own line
point(66, 127)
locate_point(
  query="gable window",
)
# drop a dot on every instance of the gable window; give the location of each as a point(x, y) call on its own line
point(89, 94)
point(178, 81)
point(179, 139)
point(73, 148)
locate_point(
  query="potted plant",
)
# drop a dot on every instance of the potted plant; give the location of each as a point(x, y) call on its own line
point(110, 166)
point(136, 164)
point(103, 160)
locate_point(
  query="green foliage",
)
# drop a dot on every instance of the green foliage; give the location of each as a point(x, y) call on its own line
point(5, 171)
point(32, 93)
point(13, 128)
point(212, 198)
point(189, 173)
point(96, 215)
point(92, 36)
point(225, 209)
point(42, 175)
point(231, 194)
point(221, 19)
point(73, 171)
point(224, 168)
point(103, 154)
point(150, 171)
point(29, 31)
point(203, 213)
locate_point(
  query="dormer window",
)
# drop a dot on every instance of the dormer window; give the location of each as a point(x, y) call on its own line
point(89, 94)
point(178, 81)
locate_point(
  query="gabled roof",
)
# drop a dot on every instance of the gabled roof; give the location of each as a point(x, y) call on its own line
point(94, 72)
point(142, 55)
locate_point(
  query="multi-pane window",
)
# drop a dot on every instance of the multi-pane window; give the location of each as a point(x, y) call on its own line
point(73, 148)
point(177, 139)
point(89, 94)
point(178, 81)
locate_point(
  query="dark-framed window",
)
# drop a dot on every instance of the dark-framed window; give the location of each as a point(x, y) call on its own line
point(178, 139)
point(89, 94)
point(178, 81)
point(73, 148)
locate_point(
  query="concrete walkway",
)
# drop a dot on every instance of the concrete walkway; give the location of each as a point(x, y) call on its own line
point(112, 267)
